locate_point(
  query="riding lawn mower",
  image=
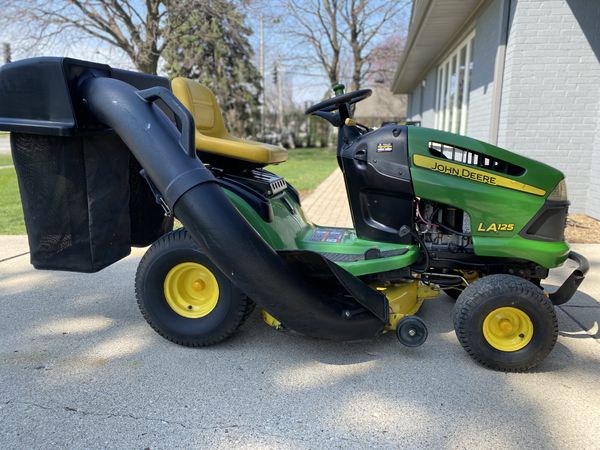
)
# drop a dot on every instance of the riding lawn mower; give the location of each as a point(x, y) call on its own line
point(106, 158)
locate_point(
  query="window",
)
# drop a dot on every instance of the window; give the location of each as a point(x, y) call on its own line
point(452, 88)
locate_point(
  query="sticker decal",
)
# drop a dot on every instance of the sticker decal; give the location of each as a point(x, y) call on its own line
point(470, 173)
point(384, 148)
point(495, 227)
point(331, 236)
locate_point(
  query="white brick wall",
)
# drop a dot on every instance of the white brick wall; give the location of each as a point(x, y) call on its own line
point(482, 78)
point(551, 93)
point(593, 199)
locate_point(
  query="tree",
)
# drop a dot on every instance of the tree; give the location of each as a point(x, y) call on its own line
point(317, 24)
point(382, 60)
point(382, 64)
point(138, 28)
point(365, 19)
point(212, 47)
point(340, 30)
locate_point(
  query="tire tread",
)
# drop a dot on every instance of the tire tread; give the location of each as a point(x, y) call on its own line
point(470, 299)
point(181, 236)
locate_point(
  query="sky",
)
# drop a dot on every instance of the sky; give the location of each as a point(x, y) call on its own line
point(307, 79)
point(303, 82)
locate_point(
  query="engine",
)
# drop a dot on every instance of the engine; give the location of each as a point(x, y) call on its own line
point(443, 228)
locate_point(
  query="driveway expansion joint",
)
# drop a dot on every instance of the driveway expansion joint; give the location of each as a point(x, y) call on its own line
point(100, 414)
point(13, 257)
point(581, 306)
point(579, 324)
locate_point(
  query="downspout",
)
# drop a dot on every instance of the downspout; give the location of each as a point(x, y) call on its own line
point(503, 30)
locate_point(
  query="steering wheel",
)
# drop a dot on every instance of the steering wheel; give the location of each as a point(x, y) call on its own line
point(331, 104)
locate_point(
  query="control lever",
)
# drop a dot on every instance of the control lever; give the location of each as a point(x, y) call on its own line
point(353, 123)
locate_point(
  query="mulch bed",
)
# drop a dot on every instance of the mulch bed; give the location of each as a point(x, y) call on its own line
point(582, 229)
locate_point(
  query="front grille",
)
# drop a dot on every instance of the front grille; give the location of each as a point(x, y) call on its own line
point(474, 159)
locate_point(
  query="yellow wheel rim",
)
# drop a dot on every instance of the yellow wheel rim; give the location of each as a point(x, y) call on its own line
point(507, 329)
point(191, 290)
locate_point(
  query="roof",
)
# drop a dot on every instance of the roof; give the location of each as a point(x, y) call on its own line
point(381, 105)
point(434, 24)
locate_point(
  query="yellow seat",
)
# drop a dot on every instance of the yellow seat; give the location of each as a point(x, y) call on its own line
point(211, 134)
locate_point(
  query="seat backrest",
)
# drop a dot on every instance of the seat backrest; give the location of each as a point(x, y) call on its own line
point(202, 103)
point(211, 135)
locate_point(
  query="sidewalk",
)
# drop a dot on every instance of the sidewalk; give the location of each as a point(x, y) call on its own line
point(328, 204)
point(4, 144)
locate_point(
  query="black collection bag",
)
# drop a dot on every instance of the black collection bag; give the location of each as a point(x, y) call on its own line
point(83, 202)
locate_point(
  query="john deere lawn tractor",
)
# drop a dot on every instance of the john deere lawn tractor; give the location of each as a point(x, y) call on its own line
point(106, 158)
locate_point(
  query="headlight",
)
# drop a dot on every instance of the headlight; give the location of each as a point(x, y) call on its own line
point(559, 194)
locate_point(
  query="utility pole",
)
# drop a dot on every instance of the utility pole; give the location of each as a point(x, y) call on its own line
point(262, 73)
point(279, 73)
point(6, 52)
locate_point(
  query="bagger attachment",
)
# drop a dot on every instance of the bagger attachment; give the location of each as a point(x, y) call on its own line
point(81, 132)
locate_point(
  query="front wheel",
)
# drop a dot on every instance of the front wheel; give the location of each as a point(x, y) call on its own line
point(505, 323)
point(184, 296)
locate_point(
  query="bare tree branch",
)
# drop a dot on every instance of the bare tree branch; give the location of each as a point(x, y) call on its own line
point(365, 20)
point(137, 28)
point(317, 26)
point(341, 34)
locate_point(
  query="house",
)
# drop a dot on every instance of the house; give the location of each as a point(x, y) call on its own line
point(520, 74)
point(380, 107)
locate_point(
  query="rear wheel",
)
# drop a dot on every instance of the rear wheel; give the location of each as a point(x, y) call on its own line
point(505, 323)
point(185, 297)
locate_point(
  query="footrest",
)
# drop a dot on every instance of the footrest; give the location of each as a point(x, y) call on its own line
point(346, 257)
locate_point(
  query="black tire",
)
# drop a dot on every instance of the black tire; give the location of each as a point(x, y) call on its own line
point(230, 312)
point(496, 291)
point(411, 331)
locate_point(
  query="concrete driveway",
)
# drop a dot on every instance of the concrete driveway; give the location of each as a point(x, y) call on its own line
point(4, 144)
point(79, 368)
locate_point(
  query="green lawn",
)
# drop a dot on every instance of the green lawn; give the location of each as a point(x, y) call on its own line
point(11, 214)
point(305, 169)
point(5, 160)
